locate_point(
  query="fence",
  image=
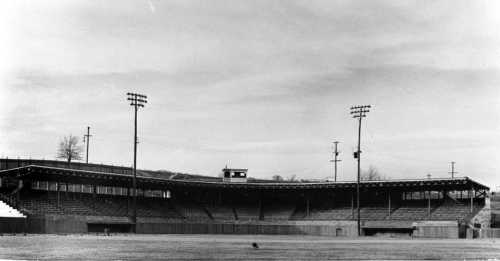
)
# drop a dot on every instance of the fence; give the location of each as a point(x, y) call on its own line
point(489, 233)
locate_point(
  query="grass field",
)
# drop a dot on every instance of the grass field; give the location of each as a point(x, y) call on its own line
point(238, 247)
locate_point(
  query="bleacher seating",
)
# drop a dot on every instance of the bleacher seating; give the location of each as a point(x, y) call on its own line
point(411, 210)
point(108, 205)
point(34, 202)
point(190, 210)
point(37, 202)
point(278, 211)
point(406, 210)
point(155, 207)
point(373, 212)
point(343, 213)
point(222, 212)
point(451, 210)
point(73, 206)
point(247, 212)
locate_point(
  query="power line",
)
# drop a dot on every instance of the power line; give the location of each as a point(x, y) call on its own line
point(359, 112)
point(136, 100)
point(335, 160)
point(86, 139)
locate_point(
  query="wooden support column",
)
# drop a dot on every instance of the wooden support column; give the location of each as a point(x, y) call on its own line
point(471, 200)
point(352, 204)
point(18, 192)
point(429, 204)
point(334, 199)
point(307, 204)
point(94, 195)
point(389, 202)
point(128, 200)
point(58, 194)
point(261, 207)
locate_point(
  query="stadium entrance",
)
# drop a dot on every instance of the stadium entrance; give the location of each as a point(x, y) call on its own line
point(109, 228)
point(392, 232)
point(391, 228)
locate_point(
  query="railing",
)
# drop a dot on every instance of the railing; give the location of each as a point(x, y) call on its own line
point(8, 199)
point(489, 233)
point(11, 201)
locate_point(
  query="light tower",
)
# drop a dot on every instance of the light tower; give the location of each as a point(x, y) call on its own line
point(335, 160)
point(359, 112)
point(86, 139)
point(136, 100)
point(453, 172)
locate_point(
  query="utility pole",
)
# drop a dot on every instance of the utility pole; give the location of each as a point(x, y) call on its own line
point(86, 139)
point(359, 112)
point(335, 160)
point(136, 100)
point(453, 172)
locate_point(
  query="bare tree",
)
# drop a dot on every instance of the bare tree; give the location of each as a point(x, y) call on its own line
point(293, 178)
point(372, 174)
point(69, 149)
point(277, 178)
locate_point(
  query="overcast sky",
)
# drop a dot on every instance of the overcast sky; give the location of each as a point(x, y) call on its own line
point(264, 85)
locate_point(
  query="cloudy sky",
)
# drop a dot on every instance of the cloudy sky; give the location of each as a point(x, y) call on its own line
point(264, 85)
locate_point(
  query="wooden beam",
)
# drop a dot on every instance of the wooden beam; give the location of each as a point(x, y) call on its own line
point(307, 205)
point(389, 199)
point(472, 201)
point(429, 193)
point(58, 194)
point(352, 204)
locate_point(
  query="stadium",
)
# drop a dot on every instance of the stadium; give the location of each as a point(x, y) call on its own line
point(249, 130)
point(55, 197)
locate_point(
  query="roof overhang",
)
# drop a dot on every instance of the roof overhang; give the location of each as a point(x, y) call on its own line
point(35, 172)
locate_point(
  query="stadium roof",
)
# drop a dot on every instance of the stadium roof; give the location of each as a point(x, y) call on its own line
point(36, 172)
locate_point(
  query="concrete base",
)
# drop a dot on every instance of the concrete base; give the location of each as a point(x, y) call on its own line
point(59, 224)
point(436, 229)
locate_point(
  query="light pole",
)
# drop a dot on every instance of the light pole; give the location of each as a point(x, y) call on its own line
point(335, 160)
point(453, 172)
point(359, 112)
point(86, 138)
point(136, 100)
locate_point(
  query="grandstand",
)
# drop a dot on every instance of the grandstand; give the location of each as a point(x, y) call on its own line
point(57, 197)
point(495, 209)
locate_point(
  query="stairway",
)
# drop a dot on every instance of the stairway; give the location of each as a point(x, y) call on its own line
point(8, 211)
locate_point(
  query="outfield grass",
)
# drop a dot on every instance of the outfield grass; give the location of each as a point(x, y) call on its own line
point(232, 247)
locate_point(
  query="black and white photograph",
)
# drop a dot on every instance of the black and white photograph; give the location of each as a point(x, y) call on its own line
point(249, 130)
